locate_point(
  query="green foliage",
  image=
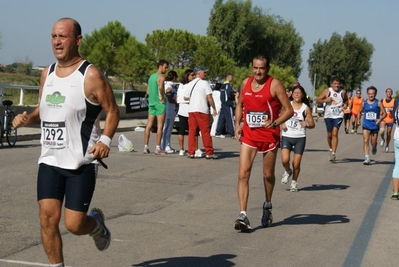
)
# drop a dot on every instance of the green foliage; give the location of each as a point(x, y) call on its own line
point(15, 78)
point(185, 50)
point(348, 58)
point(240, 73)
point(245, 32)
point(284, 75)
point(175, 46)
point(135, 62)
point(102, 46)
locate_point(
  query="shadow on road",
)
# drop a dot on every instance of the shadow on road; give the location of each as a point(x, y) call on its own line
point(315, 150)
point(350, 160)
point(220, 260)
point(319, 187)
point(313, 219)
point(309, 219)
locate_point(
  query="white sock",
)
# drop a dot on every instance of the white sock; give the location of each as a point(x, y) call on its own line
point(61, 264)
point(146, 146)
point(243, 212)
point(158, 147)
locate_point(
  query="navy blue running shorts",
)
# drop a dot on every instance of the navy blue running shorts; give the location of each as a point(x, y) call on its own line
point(332, 123)
point(76, 185)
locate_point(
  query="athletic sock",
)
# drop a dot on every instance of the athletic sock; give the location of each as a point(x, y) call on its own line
point(61, 264)
point(243, 212)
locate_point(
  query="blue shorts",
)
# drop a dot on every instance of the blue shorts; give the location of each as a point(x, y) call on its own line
point(76, 185)
point(332, 123)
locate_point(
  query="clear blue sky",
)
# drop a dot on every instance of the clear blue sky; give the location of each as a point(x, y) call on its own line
point(26, 25)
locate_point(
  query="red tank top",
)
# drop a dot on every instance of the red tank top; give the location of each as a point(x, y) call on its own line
point(257, 106)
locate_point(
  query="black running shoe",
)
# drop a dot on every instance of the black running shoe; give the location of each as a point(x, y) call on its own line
point(267, 217)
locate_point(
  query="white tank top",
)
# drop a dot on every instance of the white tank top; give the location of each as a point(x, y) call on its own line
point(70, 123)
point(294, 128)
point(334, 108)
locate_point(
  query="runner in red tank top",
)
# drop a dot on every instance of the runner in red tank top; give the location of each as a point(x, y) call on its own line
point(259, 106)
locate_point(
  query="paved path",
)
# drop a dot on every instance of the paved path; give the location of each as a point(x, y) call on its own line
point(173, 211)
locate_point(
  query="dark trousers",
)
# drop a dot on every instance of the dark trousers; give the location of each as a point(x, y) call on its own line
point(225, 118)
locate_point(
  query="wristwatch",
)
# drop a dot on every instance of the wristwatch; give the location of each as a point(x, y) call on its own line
point(275, 124)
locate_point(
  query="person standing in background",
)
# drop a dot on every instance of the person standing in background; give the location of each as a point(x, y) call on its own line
point(199, 93)
point(156, 106)
point(218, 105)
point(227, 99)
point(170, 114)
point(187, 77)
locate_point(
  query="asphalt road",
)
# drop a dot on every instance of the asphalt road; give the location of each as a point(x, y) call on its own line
point(174, 211)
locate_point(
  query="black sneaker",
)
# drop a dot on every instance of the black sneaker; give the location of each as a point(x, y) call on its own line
point(242, 223)
point(102, 237)
point(267, 217)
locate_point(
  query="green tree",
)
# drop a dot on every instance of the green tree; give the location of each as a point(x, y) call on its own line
point(284, 75)
point(347, 57)
point(102, 46)
point(135, 62)
point(186, 50)
point(245, 32)
point(174, 45)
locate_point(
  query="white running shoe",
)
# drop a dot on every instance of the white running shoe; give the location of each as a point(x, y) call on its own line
point(366, 161)
point(220, 136)
point(382, 143)
point(182, 152)
point(332, 157)
point(286, 177)
point(294, 186)
point(198, 153)
point(386, 149)
point(169, 150)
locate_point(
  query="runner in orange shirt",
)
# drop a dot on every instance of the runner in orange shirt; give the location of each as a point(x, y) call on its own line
point(387, 123)
point(357, 101)
point(348, 112)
